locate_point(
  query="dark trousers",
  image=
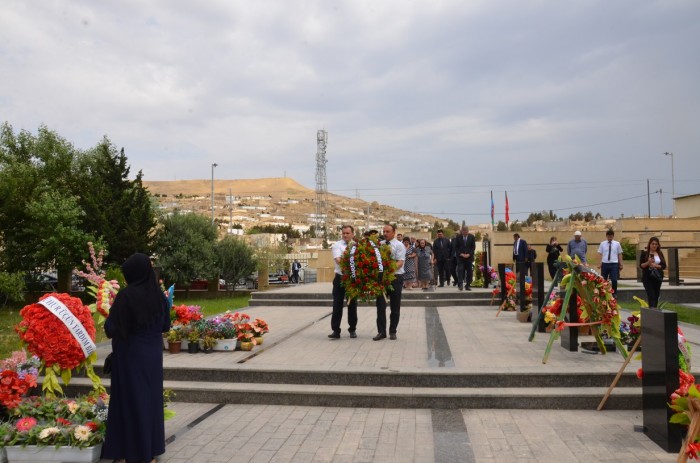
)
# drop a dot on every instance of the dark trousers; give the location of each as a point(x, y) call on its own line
point(653, 288)
point(443, 271)
point(295, 276)
point(611, 270)
point(453, 269)
point(338, 301)
point(395, 307)
point(465, 272)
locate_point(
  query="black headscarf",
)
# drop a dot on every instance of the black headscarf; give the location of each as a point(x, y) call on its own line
point(142, 302)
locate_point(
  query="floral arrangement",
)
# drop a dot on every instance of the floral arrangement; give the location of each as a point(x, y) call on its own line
point(102, 289)
point(18, 375)
point(368, 269)
point(185, 314)
point(630, 329)
point(56, 422)
point(597, 307)
point(685, 402)
point(47, 337)
point(512, 299)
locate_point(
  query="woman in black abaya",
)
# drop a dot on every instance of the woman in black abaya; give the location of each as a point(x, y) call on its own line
point(137, 319)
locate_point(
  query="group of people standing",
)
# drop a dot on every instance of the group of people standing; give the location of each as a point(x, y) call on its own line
point(652, 261)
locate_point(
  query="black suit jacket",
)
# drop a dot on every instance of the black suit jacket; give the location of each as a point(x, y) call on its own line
point(442, 248)
point(522, 251)
point(462, 247)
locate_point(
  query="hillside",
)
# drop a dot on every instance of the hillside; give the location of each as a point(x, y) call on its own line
point(274, 201)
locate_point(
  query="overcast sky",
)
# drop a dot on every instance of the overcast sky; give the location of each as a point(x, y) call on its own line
point(429, 105)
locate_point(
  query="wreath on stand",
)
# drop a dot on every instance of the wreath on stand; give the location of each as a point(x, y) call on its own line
point(368, 269)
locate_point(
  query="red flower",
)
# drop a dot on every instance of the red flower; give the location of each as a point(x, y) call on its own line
point(12, 387)
point(26, 423)
point(93, 426)
point(63, 421)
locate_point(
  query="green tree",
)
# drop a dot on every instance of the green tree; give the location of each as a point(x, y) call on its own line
point(116, 208)
point(501, 226)
point(184, 246)
point(234, 259)
point(40, 220)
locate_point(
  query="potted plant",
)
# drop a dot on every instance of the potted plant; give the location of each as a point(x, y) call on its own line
point(260, 327)
point(208, 343)
point(52, 429)
point(174, 340)
point(246, 336)
point(193, 335)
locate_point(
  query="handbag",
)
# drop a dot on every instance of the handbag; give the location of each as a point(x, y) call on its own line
point(107, 368)
point(656, 275)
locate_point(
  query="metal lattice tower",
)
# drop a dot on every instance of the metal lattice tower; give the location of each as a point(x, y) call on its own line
point(321, 184)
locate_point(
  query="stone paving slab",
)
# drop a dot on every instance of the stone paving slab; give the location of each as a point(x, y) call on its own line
point(478, 342)
point(264, 433)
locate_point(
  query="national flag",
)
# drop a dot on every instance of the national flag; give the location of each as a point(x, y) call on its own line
point(507, 216)
point(492, 209)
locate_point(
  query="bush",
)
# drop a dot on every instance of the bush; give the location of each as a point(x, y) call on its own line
point(629, 250)
point(11, 288)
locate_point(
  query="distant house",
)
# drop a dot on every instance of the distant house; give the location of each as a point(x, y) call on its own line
point(687, 207)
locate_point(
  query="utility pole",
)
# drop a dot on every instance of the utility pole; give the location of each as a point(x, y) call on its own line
point(212, 192)
point(673, 183)
point(648, 201)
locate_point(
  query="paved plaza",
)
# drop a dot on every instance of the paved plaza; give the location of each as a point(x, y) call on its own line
point(470, 339)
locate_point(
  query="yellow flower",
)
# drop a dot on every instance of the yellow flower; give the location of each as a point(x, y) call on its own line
point(48, 432)
point(82, 432)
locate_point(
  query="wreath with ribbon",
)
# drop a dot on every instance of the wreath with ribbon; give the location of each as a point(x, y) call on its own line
point(46, 336)
point(368, 269)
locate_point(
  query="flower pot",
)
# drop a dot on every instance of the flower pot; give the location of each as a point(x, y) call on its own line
point(258, 340)
point(522, 317)
point(193, 347)
point(207, 350)
point(50, 453)
point(225, 345)
point(246, 345)
point(174, 347)
point(3, 455)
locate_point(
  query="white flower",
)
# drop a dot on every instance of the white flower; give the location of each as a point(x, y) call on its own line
point(82, 433)
point(48, 432)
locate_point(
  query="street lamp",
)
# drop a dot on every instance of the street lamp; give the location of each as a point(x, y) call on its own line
point(212, 191)
point(673, 183)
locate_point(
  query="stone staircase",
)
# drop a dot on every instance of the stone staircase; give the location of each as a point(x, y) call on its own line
point(428, 389)
point(690, 266)
point(409, 298)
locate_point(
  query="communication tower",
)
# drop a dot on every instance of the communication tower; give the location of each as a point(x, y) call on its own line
point(321, 185)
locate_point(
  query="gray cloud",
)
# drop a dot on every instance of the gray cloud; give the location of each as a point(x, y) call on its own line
point(467, 96)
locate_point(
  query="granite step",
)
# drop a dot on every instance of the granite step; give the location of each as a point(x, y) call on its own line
point(404, 302)
point(562, 398)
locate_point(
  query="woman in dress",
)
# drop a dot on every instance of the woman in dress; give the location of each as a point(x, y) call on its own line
point(553, 250)
point(137, 319)
point(652, 258)
point(425, 264)
point(409, 265)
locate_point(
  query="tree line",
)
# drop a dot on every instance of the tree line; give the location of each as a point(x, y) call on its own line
point(55, 198)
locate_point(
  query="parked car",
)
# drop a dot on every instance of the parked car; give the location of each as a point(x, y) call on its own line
point(202, 284)
point(48, 282)
point(277, 278)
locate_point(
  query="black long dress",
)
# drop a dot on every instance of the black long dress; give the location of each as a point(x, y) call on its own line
point(137, 319)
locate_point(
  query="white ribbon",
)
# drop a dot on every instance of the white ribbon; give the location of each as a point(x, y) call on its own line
point(63, 313)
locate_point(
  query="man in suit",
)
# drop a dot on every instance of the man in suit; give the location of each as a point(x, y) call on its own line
point(442, 251)
point(465, 245)
point(519, 252)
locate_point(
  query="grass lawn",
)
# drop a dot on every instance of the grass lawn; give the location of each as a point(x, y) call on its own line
point(685, 314)
point(9, 317)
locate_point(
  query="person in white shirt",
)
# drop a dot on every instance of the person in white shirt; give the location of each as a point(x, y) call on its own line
point(337, 251)
point(398, 253)
point(610, 252)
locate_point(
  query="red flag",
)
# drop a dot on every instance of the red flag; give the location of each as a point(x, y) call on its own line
point(507, 216)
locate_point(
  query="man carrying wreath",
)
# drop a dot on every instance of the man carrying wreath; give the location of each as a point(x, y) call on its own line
point(398, 254)
point(337, 250)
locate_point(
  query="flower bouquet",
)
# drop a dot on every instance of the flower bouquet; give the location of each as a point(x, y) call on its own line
point(60, 331)
point(104, 291)
point(18, 375)
point(260, 327)
point(368, 269)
